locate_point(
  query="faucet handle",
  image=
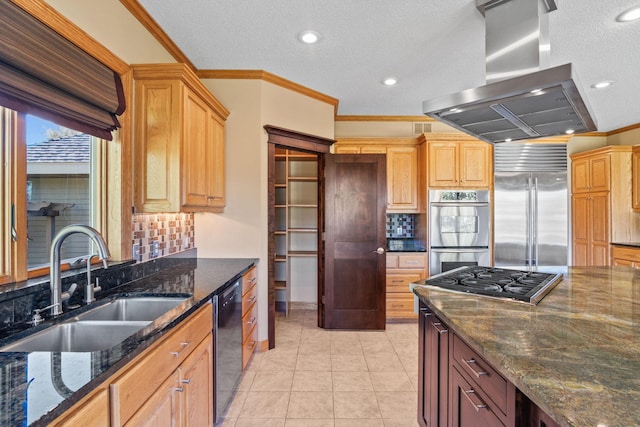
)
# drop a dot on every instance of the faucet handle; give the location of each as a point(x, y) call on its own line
point(66, 295)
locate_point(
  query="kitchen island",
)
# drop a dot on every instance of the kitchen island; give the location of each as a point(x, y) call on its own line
point(37, 387)
point(576, 354)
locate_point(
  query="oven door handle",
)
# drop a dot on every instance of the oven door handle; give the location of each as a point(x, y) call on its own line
point(459, 251)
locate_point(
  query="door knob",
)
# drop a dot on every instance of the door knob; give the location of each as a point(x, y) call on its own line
point(379, 251)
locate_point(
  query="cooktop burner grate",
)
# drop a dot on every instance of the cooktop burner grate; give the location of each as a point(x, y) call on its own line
point(522, 286)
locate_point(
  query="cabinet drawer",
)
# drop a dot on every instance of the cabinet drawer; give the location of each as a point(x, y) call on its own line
point(400, 305)
point(130, 390)
point(411, 261)
point(249, 298)
point(249, 279)
point(249, 345)
point(480, 372)
point(627, 253)
point(249, 320)
point(470, 405)
point(399, 282)
point(392, 261)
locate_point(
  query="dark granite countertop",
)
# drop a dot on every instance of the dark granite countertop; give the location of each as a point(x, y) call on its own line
point(628, 244)
point(37, 387)
point(576, 354)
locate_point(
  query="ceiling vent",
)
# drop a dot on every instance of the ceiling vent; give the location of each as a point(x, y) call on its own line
point(523, 99)
point(421, 127)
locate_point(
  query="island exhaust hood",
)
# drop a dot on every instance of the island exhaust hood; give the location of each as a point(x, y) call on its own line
point(523, 99)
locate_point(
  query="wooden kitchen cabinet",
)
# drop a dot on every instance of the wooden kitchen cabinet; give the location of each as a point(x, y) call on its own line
point(456, 162)
point(602, 210)
point(406, 192)
point(92, 411)
point(626, 256)
point(179, 141)
point(635, 174)
point(403, 269)
point(249, 315)
point(433, 370)
point(171, 383)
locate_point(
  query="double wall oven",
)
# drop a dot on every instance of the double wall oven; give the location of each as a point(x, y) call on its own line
point(459, 229)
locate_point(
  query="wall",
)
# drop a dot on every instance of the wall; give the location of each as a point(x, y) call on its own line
point(242, 230)
point(630, 137)
point(392, 128)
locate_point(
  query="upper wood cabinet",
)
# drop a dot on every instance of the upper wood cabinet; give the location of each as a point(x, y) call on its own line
point(405, 169)
point(179, 141)
point(635, 171)
point(455, 161)
point(601, 204)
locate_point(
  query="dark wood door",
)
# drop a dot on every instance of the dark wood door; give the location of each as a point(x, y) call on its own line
point(353, 295)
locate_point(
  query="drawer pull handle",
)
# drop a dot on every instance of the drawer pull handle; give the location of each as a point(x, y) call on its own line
point(253, 280)
point(252, 299)
point(177, 353)
point(252, 321)
point(179, 389)
point(252, 345)
point(441, 330)
point(470, 364)
point(477, 406)
point(186, 381)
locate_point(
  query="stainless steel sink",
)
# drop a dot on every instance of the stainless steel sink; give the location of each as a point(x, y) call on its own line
point(100, 328)
point(133, 309)
point(78, 336)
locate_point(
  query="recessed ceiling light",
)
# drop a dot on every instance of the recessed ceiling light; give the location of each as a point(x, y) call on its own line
point(569, 131)
point(602, 84)
point(390, 81)
point(455, 110)
point(309, 37)
point(536, 91)
point(508, 140)
point(629, 15)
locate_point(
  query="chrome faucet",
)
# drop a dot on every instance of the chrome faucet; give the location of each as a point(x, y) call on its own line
point(55, 282)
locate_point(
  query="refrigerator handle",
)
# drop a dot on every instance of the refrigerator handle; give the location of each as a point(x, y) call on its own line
point(534, 214)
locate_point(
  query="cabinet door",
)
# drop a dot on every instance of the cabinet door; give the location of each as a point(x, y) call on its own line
point(196, 379)
point(94, 412)
point(580, 176)
point(469, 407)
point(475, 164)
point(402, 179)
point(635, 177)
point(443, 164)
point(599, 226)
point(580, 229)
point(599, 173)
point(433, 379)
point(195, 152)
point(216, 195)
point(161, 409)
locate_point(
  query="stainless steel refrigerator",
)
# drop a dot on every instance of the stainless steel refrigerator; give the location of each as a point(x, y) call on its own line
point(530, 206)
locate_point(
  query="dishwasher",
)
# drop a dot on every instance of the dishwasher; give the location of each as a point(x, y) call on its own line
point(228, 346)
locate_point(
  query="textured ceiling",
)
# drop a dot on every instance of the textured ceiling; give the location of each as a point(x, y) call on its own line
point(433, 47)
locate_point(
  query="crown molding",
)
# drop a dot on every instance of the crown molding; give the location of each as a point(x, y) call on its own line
point(384, 119)
point(624, 129)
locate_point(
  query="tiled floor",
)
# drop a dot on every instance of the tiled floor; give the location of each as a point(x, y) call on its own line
point(316, 377)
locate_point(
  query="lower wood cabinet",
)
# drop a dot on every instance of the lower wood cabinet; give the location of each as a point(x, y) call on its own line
point(249, 315)
point(403, 269)
point(171, 383)
point(458, 388)
point(624, 255)
point(92, 411)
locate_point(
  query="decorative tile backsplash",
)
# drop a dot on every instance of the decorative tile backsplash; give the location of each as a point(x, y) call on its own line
point(158, 235)
point(400, 226)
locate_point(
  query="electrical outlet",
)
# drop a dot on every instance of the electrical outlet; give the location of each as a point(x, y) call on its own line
point(136, 251)
point(185, 242)
point(399, 230)
point(155, 249)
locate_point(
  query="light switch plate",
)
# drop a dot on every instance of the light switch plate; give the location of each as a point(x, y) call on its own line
point(136, 251)
point(155, 249)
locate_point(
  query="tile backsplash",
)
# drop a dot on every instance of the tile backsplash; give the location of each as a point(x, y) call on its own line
point(400, 226)
point(158, 235)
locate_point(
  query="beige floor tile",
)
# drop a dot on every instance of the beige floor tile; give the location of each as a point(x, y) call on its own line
point(344, 336)
point(312, 381)
point(272, 381)
point(265, 404)
point(410, 363)
point(314, 333)
point(372, 336)
point(346, 347)
point(279, 362)
point(414, 380)
point(227, 422)
point(406, 347)
point(383, 362)
point(370, 422)
point(355, 404)
point(247, 380)
point(378, 347)
point(311, 346)
point(397, 404)
point(408, 422)
point(276, 422)
point(235, 406)
point(310, 404)
point(313, 362)
point(308, 422)
point(348, 362)
point(351, 381)
point(391, 381)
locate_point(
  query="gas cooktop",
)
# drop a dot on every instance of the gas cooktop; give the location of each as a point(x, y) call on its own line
point(521, 286)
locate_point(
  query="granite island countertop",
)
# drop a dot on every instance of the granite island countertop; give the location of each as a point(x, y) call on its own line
point(576, 354)
point(37, 387)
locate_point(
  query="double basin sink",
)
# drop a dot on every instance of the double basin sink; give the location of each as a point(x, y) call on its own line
point(98, 329)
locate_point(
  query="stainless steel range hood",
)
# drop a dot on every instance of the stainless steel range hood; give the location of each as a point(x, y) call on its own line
point(534, 104)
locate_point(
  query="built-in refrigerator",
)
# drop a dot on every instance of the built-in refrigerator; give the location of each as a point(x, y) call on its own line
point(530, 206)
